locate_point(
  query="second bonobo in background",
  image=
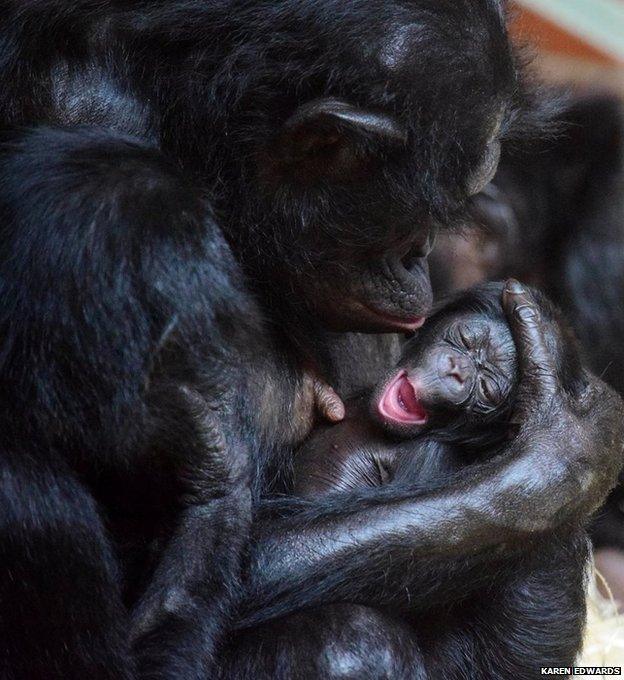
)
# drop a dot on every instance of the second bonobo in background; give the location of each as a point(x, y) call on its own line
point(450, 400)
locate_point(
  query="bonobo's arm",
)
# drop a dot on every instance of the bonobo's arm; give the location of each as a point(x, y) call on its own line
point(392, 546)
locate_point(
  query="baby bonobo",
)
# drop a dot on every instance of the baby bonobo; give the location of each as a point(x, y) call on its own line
point(447, 402)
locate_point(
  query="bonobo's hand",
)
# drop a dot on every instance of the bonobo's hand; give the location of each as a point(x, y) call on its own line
point(572, 444)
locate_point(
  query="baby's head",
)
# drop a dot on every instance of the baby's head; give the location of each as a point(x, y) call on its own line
point(457, 375)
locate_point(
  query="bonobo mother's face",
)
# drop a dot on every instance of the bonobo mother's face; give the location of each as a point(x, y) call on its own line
point(385, 119)
point(461, 365)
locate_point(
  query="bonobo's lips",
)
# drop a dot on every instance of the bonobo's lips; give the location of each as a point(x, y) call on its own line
point(396, 322)
point(384, 297)
point(400, 404)
point(400, 295)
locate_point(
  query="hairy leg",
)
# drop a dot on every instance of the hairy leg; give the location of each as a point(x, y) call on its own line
point(340, 641)
point(531, 615)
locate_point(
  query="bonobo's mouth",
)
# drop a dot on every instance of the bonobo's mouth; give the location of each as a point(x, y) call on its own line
point(409, 324)
point(399, 402)
point(385, 297)
point(398, 298)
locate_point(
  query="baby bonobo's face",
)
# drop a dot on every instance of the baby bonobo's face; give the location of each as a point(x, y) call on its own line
point(464, 364)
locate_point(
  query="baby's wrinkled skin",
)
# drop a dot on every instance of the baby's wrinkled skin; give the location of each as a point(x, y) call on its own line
point(457, 371)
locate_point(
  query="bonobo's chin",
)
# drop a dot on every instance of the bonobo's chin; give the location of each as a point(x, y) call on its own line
point(397, 407)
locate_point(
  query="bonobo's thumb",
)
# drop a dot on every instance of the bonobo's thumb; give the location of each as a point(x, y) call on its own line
point(538, 374)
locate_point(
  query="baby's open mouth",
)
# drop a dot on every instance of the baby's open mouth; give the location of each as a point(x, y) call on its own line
point(399, 402)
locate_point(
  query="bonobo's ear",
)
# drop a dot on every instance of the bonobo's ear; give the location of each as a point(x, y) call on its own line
point(325, 137)
point(328, 113)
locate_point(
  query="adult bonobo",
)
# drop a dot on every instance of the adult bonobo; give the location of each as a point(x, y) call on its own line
point(139, 375)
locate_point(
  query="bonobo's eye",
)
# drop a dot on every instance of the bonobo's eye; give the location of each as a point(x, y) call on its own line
point(421, 249)
point(459, 336)
point(429, 245)
point(491, 391)
point(467, 340)
point(488, 166)
point(472, 335)
point(487, 392)
point(325, 138)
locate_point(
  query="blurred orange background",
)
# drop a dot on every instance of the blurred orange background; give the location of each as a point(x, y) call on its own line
point(564, 57)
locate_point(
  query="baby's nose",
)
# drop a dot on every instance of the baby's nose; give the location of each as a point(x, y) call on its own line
point(458, 368)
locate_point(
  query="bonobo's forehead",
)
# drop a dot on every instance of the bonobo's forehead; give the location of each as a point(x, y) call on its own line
point(444, 68)
point(463, 29)
point(475, 330)
point(410, 45)
point(457, 50)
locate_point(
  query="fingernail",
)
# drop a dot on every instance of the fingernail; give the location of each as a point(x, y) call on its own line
point(514, 287)
point(336, 415)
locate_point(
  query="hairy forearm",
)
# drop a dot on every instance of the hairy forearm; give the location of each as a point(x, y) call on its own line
point(536, 618)
point(351, 547)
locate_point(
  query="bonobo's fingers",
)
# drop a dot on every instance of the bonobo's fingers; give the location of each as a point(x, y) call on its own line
point(569, 446)
point(327, 402)
point(539, 375)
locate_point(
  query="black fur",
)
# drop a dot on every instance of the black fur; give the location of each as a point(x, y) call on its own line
point(501, 630)
point(521, 612)
point(123, 289)
point(146, 392)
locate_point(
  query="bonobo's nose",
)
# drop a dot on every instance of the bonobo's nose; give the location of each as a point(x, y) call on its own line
point(459, 368)
point(455, 369)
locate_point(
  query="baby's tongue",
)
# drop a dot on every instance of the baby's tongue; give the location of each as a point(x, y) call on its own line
point(399, 402)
